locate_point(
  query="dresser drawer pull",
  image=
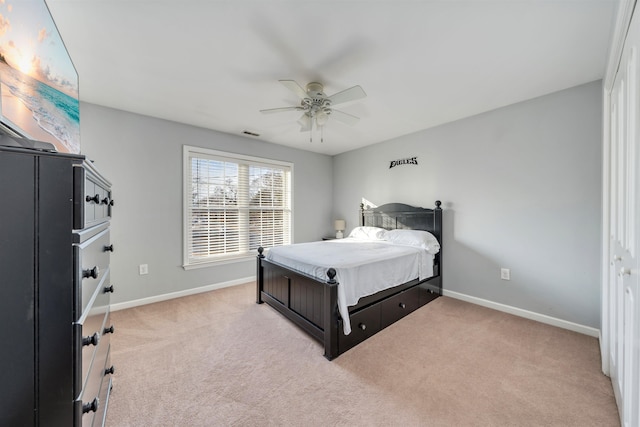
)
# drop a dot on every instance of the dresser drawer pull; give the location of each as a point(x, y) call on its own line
point(111, 370)
point(95, 199)
point(108, 330)
point(91, 407)
point(91, 272)
point(108, 248)
point(108, 289)
point(362, 326)
point(105, 201)
point(92, 340)
point(402, 305)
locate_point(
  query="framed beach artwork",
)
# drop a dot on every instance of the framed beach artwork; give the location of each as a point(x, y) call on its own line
point(38, 81)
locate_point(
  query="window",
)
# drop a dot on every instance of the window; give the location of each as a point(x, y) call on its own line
point(233, 204)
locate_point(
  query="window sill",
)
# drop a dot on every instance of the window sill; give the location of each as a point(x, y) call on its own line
point(207, 264)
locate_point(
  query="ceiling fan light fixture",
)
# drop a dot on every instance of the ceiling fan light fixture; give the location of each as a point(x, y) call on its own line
point(305, 122)
point(322, 118)
point(315, 89)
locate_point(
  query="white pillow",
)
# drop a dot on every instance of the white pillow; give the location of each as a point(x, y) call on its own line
point(418, 238)
point(368, 233)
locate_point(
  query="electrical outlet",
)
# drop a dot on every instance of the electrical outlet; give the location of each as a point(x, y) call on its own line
point(505, 274)
point(143, 269)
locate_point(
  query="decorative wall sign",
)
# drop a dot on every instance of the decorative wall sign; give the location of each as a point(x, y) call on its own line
point(407, 161)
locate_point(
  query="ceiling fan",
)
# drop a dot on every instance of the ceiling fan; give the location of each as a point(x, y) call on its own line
point(316, 107)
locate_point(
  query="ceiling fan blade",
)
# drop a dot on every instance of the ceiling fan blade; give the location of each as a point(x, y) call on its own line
point(278, 110)
point(351, 94)
point(294, 87)
point(305, 123)
point(345, 118)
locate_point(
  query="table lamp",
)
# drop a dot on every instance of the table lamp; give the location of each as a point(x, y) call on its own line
point(339, 225)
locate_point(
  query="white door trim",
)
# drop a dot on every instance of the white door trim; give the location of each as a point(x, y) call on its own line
point(623, 19)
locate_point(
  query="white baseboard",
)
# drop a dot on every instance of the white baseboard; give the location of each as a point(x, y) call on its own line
point(587, 330)
point(186, 292)
point(543, 318)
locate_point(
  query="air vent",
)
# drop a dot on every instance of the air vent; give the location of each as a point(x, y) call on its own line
point(246, 132)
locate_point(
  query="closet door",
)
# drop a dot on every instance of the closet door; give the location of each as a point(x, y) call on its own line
point(624, 195)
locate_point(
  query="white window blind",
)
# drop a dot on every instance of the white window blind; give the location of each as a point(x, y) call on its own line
point(233, 205)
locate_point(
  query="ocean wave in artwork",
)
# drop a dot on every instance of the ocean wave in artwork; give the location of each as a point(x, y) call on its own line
point(55, 112)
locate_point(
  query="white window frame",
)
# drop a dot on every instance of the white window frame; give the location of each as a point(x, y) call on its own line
point(244, 252)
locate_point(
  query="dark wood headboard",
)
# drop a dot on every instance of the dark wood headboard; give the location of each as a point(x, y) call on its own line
point(400, 216)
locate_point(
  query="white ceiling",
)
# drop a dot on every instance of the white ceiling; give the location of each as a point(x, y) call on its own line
point(216, 63)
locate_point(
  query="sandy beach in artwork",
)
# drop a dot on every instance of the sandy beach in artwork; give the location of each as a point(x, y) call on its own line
point(14, 110)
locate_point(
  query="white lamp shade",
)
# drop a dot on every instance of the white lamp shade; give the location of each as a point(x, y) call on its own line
point(321, 118)
point(339, 224)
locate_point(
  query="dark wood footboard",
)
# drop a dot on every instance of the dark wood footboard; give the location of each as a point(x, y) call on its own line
point(306, 301)
point(312, 304)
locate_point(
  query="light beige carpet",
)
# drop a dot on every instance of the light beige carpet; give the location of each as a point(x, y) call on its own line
point(219, 359)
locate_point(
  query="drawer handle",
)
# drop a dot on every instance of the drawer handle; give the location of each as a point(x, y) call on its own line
point(111, 202)
point(92, 340)
point(111, 370)
point(91, 272)
point(362, 326)
point(402, 305)
point(108, 289)
point(108, 248)
point(91, 406)
point(108, 330)
point(95, 199)
point(105, 201)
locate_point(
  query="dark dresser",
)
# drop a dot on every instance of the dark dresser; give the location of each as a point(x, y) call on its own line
point(55, 288)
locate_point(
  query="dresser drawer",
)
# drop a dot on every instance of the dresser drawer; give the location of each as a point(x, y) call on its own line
point(92, 197)
point(87, 339)
point(400, 305)
point(91, 259)
point(93, 360)
point(103, 348)
point(90, 292)
point(92, 342)
point(364, 323)
point(105, 390)
point(95, 376)
point(91, 338)
point(91, 406)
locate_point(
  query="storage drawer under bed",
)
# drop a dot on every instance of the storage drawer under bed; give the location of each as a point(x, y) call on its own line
point(398, 306)
point(364, 324)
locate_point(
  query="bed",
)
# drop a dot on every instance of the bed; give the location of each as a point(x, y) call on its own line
point(301, 283)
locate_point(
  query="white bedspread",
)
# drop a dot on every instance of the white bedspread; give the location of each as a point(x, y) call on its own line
point(362, 267)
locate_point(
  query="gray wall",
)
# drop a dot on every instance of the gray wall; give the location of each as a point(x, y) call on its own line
point(142, 157)
point(521, 186)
